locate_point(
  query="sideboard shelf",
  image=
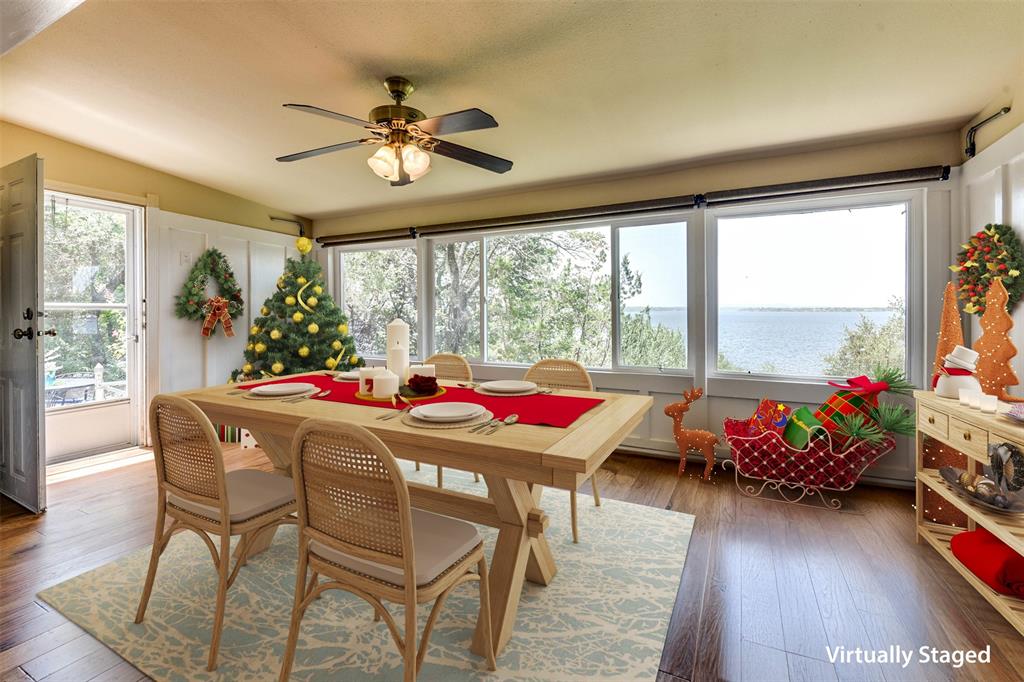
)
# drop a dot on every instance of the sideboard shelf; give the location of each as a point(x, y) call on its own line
point(967, 431)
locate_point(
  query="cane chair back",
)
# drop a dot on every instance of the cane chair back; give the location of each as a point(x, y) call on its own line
point(187, 453)
point(559, 373)
point(450, 366)
point(351, 493)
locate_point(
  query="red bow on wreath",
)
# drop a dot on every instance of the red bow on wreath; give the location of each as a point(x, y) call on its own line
point(217, 309)
point(862, 385)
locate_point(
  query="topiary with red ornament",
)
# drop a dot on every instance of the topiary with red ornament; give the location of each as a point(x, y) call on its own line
point(994, 251)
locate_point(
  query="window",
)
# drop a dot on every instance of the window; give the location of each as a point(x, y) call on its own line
point(457, 298)
point(378, 286)
point(549, 295)
point(652, 289)
point(85, 252)
point(813, 293)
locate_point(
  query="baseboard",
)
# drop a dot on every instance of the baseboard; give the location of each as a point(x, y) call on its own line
point(84, 466)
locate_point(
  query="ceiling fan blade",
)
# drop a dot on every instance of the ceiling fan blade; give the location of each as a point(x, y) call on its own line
point(457, 122)
point(328, 149)
point(495, 164)
point(310, 109)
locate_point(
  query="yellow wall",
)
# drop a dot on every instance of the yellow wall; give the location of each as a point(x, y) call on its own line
point(1011, 96)
point(76, 165)
point(912, 152)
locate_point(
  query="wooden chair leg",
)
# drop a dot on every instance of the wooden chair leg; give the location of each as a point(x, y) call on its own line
point(440, 476)
point(154, 561)
point(417, 466)
point(409, 653)
point(572, 511)
point(296, 620)
point(222, 592)
point(597, 495)
point(485, 613)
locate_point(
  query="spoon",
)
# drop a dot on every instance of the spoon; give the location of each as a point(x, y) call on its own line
point(507, 421)
point(481, 427)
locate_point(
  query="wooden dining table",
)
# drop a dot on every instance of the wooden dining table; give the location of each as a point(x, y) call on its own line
point(516, 462)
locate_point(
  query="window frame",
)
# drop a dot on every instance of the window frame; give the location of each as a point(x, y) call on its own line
point(754, 384)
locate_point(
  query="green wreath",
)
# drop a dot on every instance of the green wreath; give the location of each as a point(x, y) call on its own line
point(191, 303)
point(992, 252)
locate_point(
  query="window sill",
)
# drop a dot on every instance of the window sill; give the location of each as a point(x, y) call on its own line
point(82, 407)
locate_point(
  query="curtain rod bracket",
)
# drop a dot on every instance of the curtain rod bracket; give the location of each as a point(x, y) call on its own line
point(972, 148)
point(288, 220)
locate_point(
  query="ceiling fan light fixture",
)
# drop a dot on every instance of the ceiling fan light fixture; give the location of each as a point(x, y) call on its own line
point(384, 163)
point(415, 160)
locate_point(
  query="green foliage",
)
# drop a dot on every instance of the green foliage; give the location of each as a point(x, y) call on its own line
point(990, 253)
point(895, 377)
point(868, 345)
point(855, 428)
point(893, 418)
point(327, 343)
point(190, 304)
point(380, 286)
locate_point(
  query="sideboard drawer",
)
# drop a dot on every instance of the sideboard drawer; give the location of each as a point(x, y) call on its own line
point(932, 422)
point(968, 439)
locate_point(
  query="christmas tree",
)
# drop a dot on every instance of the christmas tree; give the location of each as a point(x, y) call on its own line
point(951, 334)
point(300, 329)
point(994, 346)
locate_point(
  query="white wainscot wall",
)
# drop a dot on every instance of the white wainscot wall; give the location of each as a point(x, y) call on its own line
point(179, 356)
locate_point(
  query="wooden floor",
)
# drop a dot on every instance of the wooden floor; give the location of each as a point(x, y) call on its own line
point(766, 588)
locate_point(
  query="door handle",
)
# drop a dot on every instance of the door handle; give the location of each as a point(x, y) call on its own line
point(25, 333)
point(49, 332)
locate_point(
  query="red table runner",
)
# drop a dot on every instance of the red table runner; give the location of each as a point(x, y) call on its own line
point(538, 409)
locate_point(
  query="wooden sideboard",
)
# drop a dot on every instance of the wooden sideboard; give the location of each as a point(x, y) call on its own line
point(968, 431)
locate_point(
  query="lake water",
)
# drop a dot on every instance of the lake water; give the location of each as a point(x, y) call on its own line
point(787, 341)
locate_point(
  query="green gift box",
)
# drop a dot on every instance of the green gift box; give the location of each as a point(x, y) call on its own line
point(799, 427)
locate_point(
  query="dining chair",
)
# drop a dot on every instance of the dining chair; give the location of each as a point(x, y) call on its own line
point(454, 368)
point(357, 529)
point(559, 373)
point(195, 492)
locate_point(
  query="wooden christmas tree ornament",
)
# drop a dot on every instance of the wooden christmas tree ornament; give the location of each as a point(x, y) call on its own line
point(994, 346)
point(951, 333)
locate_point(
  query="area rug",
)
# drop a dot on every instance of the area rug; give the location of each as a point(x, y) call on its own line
point(604, 616)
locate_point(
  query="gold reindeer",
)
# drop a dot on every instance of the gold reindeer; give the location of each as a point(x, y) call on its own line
point(697, 440)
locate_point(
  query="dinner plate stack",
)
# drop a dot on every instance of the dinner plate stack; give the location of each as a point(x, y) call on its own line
point(507, 387)
point(447, 412)
point(276, 391)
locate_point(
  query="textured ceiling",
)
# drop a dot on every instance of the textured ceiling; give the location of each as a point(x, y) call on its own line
point(579, 88)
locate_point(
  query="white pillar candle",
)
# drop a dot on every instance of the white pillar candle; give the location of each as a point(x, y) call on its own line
point(423, 371)
point(385, 384)
point(974, 399)
point(965, 396)
point(397, 348)
point(398, 363)
point(366, 375)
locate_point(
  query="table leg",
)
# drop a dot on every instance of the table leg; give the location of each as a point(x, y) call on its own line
point(278, 450)
point(540, 567)
point(513, 501)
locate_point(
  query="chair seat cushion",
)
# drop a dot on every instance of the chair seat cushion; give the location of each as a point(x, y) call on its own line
point(251, 492)
point(438, 542)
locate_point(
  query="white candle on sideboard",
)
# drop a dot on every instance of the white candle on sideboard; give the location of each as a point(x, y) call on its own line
point(385, 384)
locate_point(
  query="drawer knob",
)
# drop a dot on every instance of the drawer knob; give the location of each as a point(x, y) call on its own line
point(967, 435)
point(931, 420)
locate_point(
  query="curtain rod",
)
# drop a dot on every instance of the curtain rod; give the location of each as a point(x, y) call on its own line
point(639, 208)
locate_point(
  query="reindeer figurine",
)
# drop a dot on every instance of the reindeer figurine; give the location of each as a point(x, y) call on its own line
point(702, 441)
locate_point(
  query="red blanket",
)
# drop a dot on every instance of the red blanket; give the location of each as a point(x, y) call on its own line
point(992, 560)
point(548, 410)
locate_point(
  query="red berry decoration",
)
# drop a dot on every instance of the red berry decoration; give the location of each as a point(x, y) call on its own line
point(980, 250)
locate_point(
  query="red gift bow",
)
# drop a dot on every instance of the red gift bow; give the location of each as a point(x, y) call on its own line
point(861, 384)
point(217, 309)
point(950, 371)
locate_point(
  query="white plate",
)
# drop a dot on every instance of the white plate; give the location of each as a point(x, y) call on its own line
point(508, 386)
point(282, 389)
point(447, 412)
point(346, 376)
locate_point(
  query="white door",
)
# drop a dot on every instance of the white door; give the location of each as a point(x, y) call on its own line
point(22, 461)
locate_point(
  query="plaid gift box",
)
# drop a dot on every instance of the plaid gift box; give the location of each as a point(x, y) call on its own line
point(798, 429)
point(847, 403)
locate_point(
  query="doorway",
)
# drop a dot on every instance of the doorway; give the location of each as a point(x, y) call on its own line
point(93, 332)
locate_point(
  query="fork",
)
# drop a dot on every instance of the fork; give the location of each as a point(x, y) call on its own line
point(393, 414)
point(507, 421)
point(481, 427)
point(299, 399)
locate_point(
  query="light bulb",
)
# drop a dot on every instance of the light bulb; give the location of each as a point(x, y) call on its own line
point(385, 163)
point(416, 161)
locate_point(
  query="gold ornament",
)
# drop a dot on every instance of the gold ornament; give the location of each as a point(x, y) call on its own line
point(353, 360)
point(313, 328)
point(330, 363)
point(280, 282)
point(264, 310)
point(336, 345)
point(260, 348)
point(300, 280)
point(249, 347)
point(275, 334)
point(343, 328)
point(311, 301)
point(303, 351)
point(298, 316)
point(318, 290)
point(247, 368)
point(289, 300)
point(277, 368)
point(254, 330)
point(304, 245)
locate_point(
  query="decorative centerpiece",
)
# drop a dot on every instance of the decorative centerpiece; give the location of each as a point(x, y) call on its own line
point(956, 373)
point(398, 381)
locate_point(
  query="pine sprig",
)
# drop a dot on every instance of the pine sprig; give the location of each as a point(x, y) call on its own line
point(894, 418)
point(896, 378)
point(992, 252)
point(855, 428)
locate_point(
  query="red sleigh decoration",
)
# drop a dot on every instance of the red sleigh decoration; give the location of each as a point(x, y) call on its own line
point(796, 473)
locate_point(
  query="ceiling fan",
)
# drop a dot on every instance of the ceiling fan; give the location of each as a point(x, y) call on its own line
point(406, 135)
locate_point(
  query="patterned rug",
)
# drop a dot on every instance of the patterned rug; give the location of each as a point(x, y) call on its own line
point(603, 617)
